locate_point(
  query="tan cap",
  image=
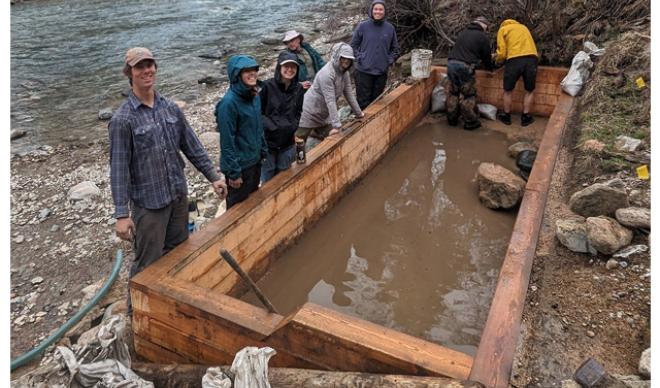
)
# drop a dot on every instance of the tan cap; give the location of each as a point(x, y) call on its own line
point(137, 54)
point(290, 35)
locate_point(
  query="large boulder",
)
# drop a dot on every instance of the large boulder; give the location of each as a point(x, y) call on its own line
point(597, 200)
point(84, 191)
point(572, 233)
point(634, 217)
point(499, 187)
point(606, 235)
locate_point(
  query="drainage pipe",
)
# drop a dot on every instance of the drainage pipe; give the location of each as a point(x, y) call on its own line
point(24, 358)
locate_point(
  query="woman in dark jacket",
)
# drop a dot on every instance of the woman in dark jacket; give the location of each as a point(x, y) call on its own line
point(281, 105)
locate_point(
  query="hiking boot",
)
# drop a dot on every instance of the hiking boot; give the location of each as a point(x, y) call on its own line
point(526, 119)
point(504, 117)
point(469, 126)
point(452, 122)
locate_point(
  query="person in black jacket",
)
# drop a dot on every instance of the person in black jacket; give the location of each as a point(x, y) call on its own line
point(471, 50)
point(281, 106)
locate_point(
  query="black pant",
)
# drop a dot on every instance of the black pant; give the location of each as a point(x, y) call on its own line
point(251, 177)
point(368, 87)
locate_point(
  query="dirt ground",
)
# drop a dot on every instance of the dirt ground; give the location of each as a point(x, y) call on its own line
point(576, 308)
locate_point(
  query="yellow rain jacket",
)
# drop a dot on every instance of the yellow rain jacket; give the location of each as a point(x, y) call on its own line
point(514, 40)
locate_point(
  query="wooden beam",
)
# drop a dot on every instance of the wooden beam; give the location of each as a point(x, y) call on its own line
point(494, 360)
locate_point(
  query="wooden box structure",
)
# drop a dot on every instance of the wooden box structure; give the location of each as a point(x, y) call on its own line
point(185, 305)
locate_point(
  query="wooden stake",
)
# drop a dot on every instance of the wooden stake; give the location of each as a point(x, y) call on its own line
point(234, 264)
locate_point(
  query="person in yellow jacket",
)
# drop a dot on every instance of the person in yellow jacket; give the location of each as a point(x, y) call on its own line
point(516, 48)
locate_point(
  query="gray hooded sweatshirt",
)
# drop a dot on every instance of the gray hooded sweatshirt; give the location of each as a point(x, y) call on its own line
point(320, 104)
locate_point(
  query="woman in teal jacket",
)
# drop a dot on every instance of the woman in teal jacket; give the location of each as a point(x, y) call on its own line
point(242, 141)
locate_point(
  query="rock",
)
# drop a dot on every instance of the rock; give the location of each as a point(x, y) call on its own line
point(517, 148)
point(84, 191)
point(645, 364)
point(590, 334)
point(640, 198)
point(630, 251)
point(37, 280)
point(627, 144)
point(89, 336)
point(210, 80)
point(181, 104)
point(17, 134)
point(611, 264)
point(598, 199)
point(616, 183)
point(344, 112)
point(44, 213)
point(634, 217)
point(55, 228)
point(105, 114)
point(592, 145)
point(570, 384)
point(606, 235)
point(572, 233)
point(272, 41)
point(19, 239)
point(631, 381)
point(210, 140)
point(499, 187)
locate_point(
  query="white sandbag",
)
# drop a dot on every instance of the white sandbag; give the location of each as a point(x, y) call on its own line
point(250, 367)
point(215, 378)
point(578, 74)
point(488, 111)
point(591, 49)
point(439, 96)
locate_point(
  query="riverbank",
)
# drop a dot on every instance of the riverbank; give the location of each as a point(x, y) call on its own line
point(64, 241)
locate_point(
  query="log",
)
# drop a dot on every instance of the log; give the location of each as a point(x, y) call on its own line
point(190, 375)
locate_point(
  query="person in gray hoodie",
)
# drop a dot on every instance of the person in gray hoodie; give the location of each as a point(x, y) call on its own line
point(376, 48)
point(319, 117)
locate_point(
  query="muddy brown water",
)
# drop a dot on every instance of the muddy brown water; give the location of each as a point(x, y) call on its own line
point(410, 247)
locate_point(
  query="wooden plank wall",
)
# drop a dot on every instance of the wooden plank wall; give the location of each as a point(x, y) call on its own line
point(182, 308)
point(546, 94)
point(182, 312)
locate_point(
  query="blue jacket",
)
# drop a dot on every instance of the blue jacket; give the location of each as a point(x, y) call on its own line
point(375, 45)
point(238, 114)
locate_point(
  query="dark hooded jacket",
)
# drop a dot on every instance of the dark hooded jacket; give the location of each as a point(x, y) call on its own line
point(375, 44)
point(238, 115)
point(280, 107)
point(472, 46)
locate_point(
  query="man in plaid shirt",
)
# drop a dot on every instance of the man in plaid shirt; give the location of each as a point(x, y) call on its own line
point(146, 134)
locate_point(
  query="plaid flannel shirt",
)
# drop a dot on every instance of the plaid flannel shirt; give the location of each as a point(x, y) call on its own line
point(145, 164)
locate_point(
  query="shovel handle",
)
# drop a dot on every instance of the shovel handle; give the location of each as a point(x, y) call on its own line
point(253, 286)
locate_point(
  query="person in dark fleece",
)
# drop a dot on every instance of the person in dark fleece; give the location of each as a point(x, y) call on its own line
point(281, 106)
point(376, 48)
point(242, 142)
point(471, 50)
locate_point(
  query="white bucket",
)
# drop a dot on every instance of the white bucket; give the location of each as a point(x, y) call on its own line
point(420, 63)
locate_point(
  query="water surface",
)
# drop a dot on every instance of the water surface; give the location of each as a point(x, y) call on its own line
point(411, 247)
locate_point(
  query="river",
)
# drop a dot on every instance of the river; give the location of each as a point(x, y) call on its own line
point(67, 55)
